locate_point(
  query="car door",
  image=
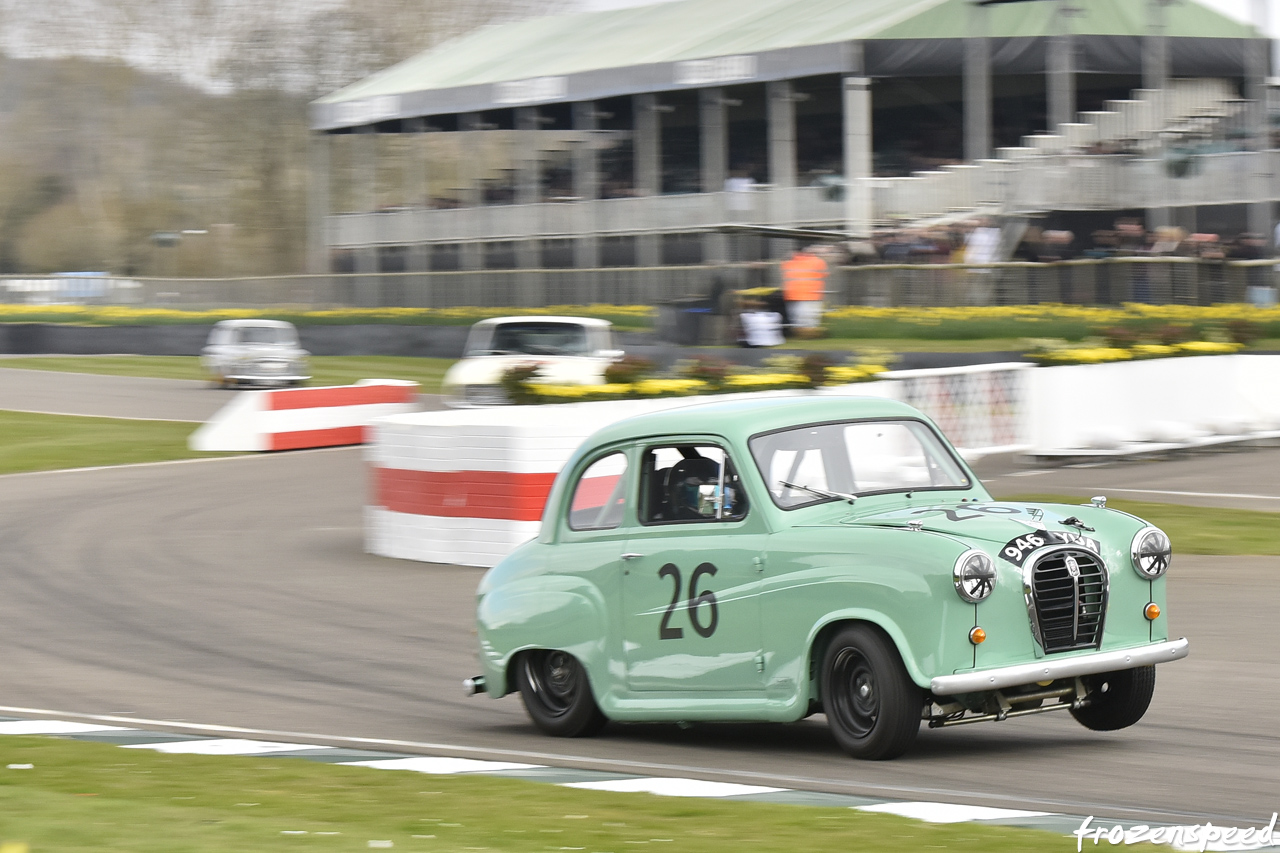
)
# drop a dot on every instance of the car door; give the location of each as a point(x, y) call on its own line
point(691, 574)
point(594, 526)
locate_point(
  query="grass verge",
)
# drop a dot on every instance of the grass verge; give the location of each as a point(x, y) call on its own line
point(94, 797)
point(326, 369)
point(30, 442)
point(1195, 529)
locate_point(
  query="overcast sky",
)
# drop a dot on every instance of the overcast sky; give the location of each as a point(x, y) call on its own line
point(1235, 8)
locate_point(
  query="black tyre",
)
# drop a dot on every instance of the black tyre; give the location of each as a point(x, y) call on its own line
point(872, 705)
point(1117, 700)
point(557, 694)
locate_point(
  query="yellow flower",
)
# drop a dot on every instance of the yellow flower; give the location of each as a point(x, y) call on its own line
point(1209, 347)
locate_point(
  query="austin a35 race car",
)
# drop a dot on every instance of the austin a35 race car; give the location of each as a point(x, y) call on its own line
point(771, 559)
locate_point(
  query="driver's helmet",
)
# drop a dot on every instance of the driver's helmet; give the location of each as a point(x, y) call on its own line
point(684, 486)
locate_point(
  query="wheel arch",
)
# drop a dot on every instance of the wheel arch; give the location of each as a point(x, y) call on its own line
point(828, 628)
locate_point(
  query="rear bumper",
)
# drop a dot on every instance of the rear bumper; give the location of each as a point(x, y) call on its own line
point(1051, 669)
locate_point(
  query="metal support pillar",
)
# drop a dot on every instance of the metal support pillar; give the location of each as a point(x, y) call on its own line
point(1060, 68)
point(528, 188)
point(648, 171)
point(715, 166)
point(1155, 47)
point(471, 253)
point(1155, 75)
point(1257, 66)
point(366, 260)
point(977, 85)
point(857, 156)
point(586, 185)
point(318, 204)
point(781, 101)
point(419, 182)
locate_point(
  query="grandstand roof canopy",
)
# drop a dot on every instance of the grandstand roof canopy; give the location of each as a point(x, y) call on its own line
point(691, 44)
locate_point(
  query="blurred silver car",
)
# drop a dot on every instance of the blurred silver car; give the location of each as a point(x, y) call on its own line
point(254, 352)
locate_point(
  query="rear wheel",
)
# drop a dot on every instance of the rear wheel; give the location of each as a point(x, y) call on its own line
point(557, 694)
point(872, 705)
point(1117, 700)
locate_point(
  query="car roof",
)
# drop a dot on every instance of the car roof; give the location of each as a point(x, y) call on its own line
point(742, 418)
point(236, 324)
point(539, 318)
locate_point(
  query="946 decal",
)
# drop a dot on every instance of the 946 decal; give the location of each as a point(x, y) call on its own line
point(1017, 550)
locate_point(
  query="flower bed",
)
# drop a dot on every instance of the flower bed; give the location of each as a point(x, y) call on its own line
point(1055, 353)
point(1069, 322)
point(691, 378)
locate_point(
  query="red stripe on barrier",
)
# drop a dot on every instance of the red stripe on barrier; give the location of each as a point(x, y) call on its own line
point(463, 494)
point(352, 395)
point(302, 439)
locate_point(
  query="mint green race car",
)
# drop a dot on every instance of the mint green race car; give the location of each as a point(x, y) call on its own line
point(775, 558)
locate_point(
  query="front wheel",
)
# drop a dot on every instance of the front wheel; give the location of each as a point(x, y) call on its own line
point(1117, 700)
point(872, 705)
point(557, 694)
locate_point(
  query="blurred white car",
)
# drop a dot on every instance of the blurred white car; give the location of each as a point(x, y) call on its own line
point(254, 352)
point(568, 350)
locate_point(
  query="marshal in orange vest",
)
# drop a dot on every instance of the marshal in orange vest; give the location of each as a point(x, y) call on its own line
point(804, 276)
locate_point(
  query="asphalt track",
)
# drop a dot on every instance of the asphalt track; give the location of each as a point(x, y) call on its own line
point(56, 392)
point(236, 592)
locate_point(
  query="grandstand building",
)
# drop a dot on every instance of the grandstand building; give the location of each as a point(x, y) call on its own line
point(629, 138)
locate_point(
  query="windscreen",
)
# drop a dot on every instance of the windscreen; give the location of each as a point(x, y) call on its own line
point(532, 338)
point(266, 335)
point(854, 458)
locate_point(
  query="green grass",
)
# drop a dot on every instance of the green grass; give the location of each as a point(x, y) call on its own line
point(326, 369)
point(30, 442)
point(1195, 529)
point(95, 797)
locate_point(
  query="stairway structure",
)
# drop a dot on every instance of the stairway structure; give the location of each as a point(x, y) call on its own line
point(1075, 167)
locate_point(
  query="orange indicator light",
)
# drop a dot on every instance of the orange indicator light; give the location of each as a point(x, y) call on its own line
point(1152, 611)
point(977, 636)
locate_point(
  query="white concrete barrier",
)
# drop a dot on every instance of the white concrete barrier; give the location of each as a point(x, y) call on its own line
point(467, 486)
point(1132, 407)
point(296, 418)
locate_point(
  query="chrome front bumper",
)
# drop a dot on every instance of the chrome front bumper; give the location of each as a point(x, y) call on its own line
point(1051, 669)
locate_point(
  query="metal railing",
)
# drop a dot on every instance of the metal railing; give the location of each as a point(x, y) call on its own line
point(1027, 183)
point(1085, 282)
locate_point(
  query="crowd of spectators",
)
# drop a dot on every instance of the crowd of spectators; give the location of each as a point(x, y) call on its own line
point(1128, 237)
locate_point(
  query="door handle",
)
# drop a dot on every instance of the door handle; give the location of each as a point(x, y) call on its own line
point(632, 556)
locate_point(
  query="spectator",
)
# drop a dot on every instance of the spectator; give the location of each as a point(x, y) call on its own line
point(982, 246)
point(760, 326)
point(804, 279)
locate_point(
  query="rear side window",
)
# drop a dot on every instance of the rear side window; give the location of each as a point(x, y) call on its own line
point(599, 497)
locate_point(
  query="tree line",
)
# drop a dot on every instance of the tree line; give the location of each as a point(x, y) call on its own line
point(169, 137)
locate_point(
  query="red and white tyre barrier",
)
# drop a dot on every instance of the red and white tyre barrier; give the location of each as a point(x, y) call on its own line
point(467, 486)
point(297, 418)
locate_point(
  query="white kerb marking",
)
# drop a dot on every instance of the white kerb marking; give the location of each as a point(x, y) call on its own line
point(225, 746)
point(665, 787)
point(54, 727)
point(947, 812)
point(442, 766)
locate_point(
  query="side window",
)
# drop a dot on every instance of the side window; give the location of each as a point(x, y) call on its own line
point(599, 498)
point(690, 482)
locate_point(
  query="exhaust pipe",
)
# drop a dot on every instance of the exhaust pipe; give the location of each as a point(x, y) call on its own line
point(475, 685)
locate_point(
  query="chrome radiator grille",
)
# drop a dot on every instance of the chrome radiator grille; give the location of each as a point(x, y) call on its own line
point(1068, 599)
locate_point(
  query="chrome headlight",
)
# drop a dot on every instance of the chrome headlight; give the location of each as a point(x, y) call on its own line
point(974, 575)
point(1151, 552)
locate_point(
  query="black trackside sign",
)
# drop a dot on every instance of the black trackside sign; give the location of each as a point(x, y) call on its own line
point(1017, 550)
